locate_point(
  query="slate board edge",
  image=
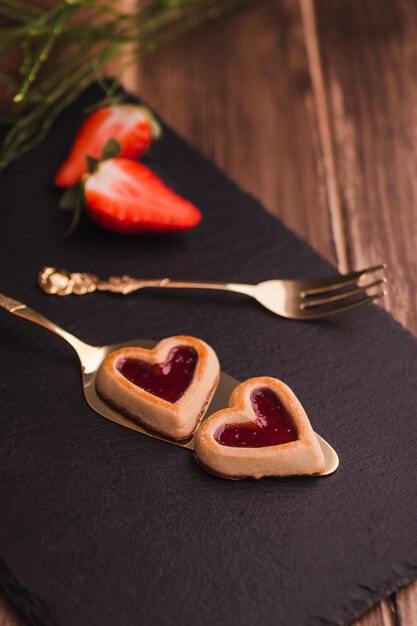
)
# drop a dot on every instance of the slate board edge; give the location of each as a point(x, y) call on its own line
point(30, 606)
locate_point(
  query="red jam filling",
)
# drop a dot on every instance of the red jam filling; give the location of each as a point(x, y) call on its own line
point(273, 426)
point(167, 380)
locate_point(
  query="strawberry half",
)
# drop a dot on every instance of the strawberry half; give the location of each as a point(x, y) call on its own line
point(134, 127)
point(127, 197)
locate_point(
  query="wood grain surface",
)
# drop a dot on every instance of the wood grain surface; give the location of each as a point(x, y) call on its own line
point(369, 60)
point(311, 105)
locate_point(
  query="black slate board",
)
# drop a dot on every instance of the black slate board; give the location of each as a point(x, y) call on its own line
point(102, 526)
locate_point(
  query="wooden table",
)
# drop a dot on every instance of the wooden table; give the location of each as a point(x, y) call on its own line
point(311, 105)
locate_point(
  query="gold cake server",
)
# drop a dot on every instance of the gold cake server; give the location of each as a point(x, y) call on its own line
point(91, 358)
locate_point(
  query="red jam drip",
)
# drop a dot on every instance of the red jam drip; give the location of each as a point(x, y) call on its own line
point(167, 380)
point(273, 426)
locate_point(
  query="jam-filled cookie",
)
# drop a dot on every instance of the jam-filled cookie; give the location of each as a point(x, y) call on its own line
point(264, 432)
point(168, 388)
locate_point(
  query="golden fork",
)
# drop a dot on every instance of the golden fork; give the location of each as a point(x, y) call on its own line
point(295, 299)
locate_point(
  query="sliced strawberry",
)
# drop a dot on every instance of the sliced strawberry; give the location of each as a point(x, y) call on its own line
point(134, 127)
point(126, 196)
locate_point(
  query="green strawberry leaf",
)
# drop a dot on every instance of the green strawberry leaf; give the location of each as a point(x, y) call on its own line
point(70, 198)
point(111, 149)
point(76, 215)
point(92, 164)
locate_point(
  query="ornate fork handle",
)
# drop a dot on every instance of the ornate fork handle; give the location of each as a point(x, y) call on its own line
point(63, 283)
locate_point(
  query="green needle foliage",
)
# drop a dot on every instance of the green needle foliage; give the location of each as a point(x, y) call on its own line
point(50, 57)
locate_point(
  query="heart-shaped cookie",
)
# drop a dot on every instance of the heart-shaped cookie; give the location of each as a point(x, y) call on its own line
point(264, 432)
point(168, 389)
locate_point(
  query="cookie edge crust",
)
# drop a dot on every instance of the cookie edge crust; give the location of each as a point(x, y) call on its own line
point(177, 420)
point(303, 457)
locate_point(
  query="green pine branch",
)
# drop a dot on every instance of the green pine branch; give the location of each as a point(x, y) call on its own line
point(62, 54)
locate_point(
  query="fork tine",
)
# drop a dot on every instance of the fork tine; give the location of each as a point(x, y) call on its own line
point(337, 282)
point(342, 295)
point(341, 309)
